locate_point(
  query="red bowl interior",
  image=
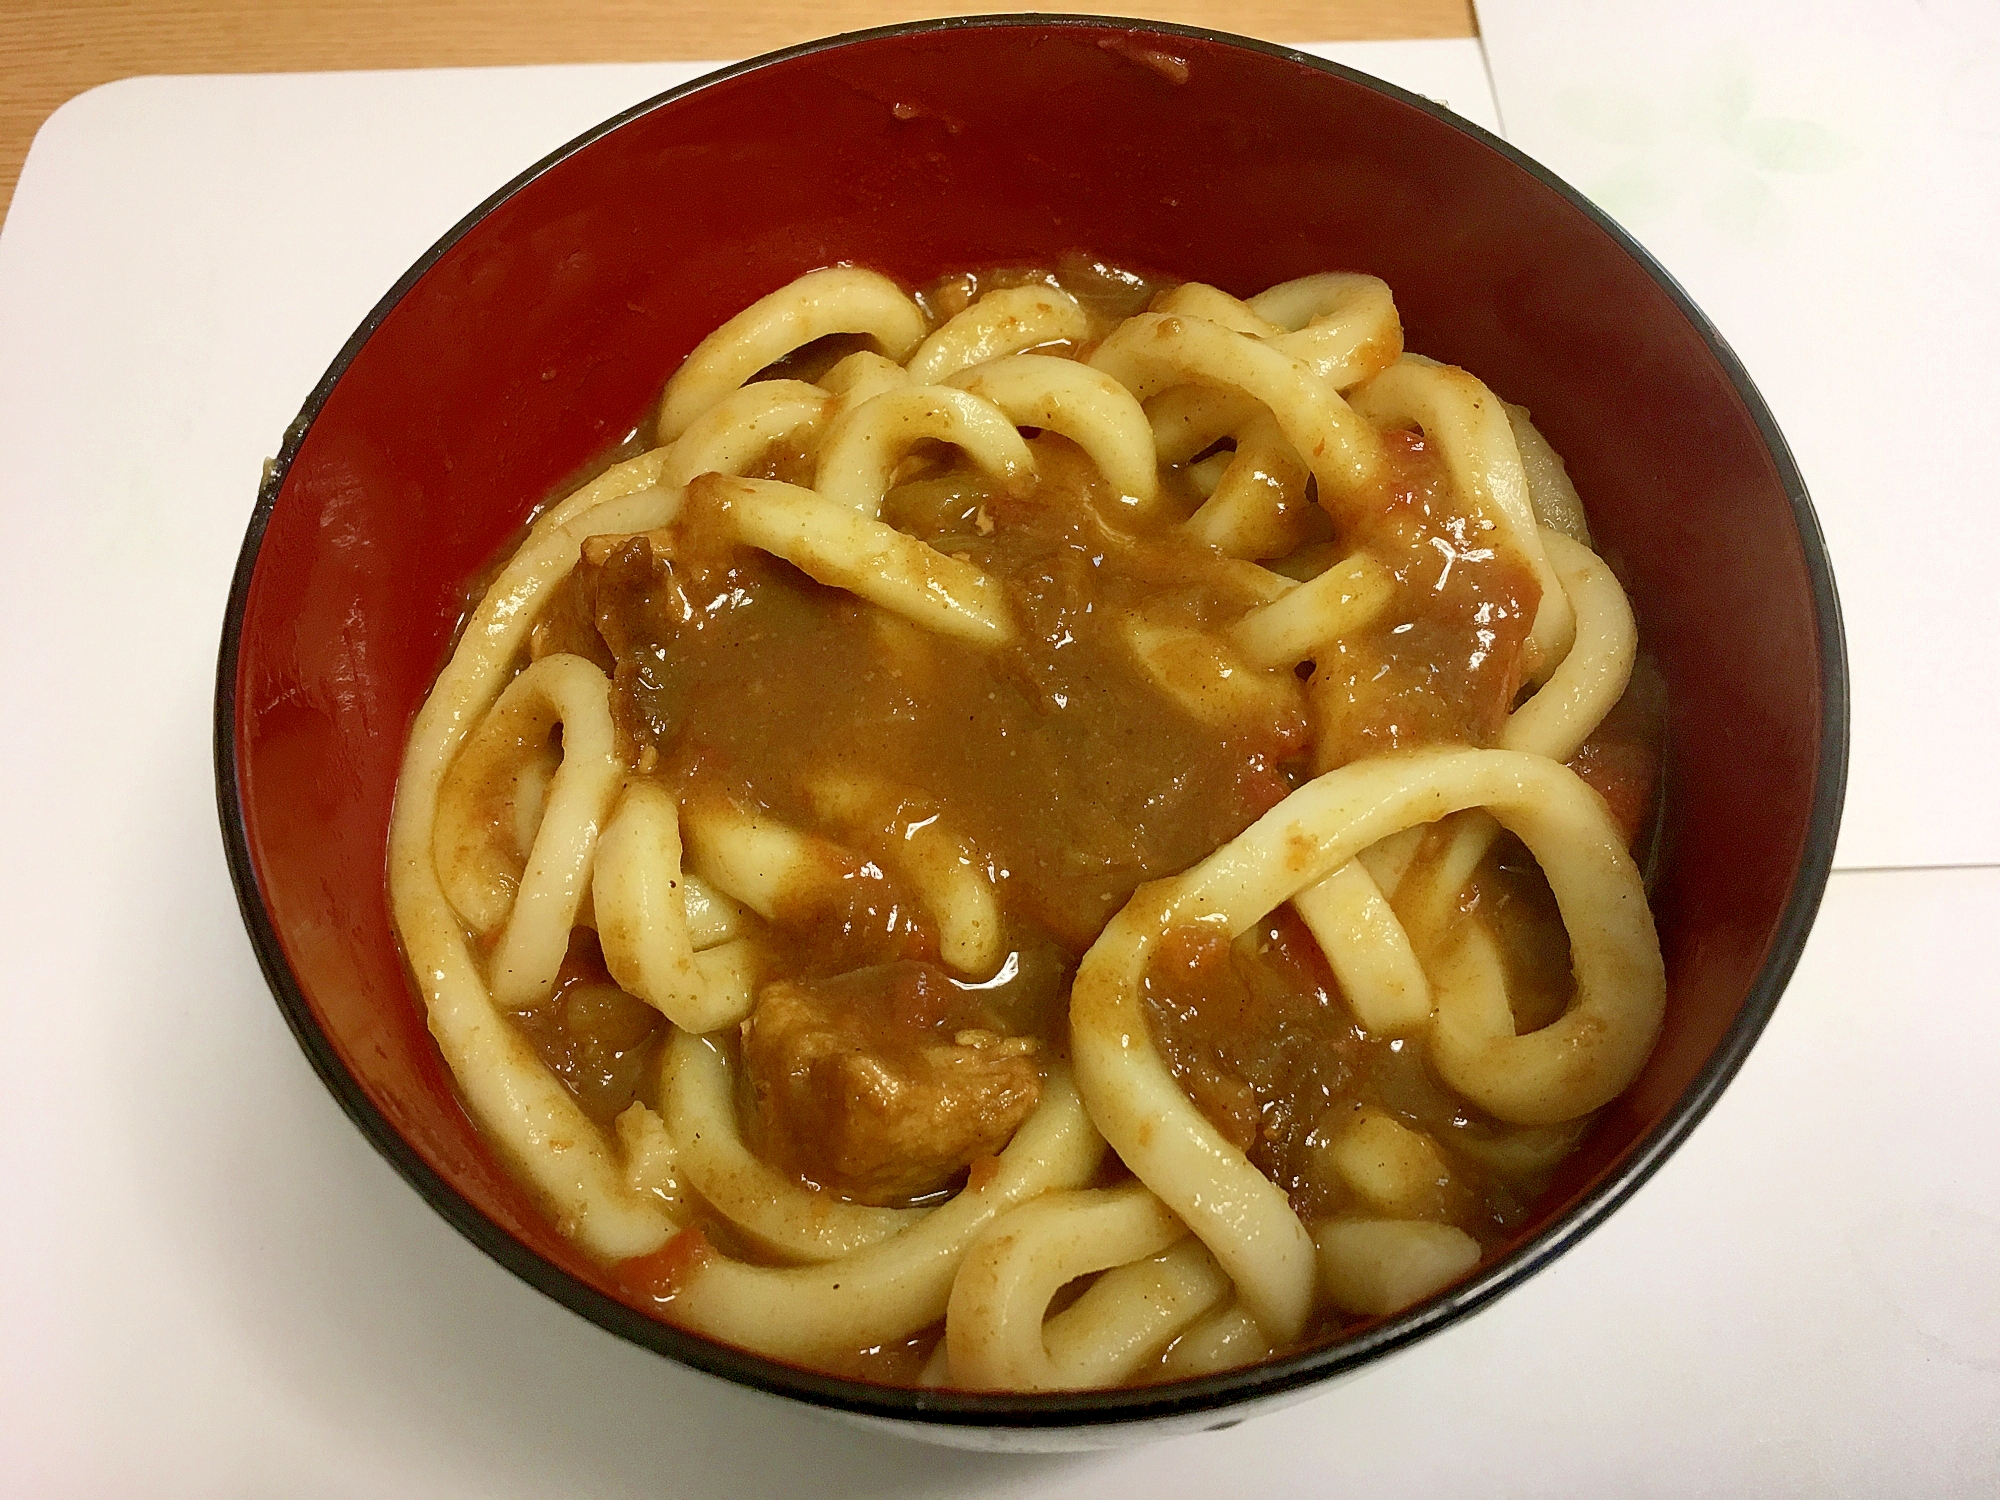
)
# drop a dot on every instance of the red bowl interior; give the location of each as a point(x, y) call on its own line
point(540, 333)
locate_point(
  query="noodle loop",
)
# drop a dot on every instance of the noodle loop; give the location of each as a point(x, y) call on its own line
point(870, 440)
point(1090, 409)
point(843, 299)
point(1153, 351)
point(835, 546)
point(890, 1289)
point(997, 1330)
point(816, 1020)
point(1000, 323)
point(1568, 1068)
point(557, 690)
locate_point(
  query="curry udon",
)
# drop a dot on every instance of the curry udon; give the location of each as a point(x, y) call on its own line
point(1058, 831)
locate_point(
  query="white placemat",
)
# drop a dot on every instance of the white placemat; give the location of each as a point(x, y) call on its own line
point(209, 1285)
point(1825, 180)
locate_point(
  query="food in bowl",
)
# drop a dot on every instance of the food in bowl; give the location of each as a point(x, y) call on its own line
point(1057, 831)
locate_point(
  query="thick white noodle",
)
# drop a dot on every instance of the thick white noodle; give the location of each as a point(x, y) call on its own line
point(1367, 945)
point(1369, 952)
point(489, 810)
point(1395, 1168)
point(1259, 506)
point(1344, 326)
point(1197, 299)
point(921, 843)
point(1433, 891)
point(1574, 1065)
point(1389, 861)
point(1204, 675)
point(862, 376)
point(642, 916)
point(555, 538)
point(1596, 669)
point(570, 692)
point(892, 1289)
point(1086, 406)
point(997, 1329)
point(1227, 1339)
point(858, 460)
point(652, 1169)
point(494, 830)
point(841, 299)
point(1206, 473)
point(1152, 351)
point(1347, 597)
point(1543, 1077)
point(740, 428)
point(712, 917)
point(753, 857)
point(1128, 1316)
point(730, 973)
point(836, 546)
point(998, 324)
point(1188, 418)
point(524, 1109)
point(1554, 722)
point(1557, 504)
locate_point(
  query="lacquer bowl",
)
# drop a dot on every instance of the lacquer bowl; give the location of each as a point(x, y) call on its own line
point(538, 332)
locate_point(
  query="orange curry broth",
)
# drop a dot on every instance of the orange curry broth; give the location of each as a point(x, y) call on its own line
point(1077, 777)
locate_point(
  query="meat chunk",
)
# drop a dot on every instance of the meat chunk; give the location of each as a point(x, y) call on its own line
point(883, 1084)
point(568, 622)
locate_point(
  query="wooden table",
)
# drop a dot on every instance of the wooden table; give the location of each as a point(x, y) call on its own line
point(52, 50)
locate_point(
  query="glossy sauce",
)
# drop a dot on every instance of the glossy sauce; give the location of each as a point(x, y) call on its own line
point(1077, 778)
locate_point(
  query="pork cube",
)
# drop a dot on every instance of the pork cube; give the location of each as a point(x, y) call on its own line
point(884, 1084)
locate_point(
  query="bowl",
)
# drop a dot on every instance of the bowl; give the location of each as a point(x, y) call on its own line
point(538, 332)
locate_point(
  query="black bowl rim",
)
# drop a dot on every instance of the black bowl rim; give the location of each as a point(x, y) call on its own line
point(1072, 1409)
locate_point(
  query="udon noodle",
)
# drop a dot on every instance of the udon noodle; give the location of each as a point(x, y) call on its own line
point(1056, 832)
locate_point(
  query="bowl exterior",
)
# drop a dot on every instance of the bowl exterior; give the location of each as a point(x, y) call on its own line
point(536, 335)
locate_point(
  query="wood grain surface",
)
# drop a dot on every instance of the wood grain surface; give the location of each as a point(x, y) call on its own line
point(51, 52)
